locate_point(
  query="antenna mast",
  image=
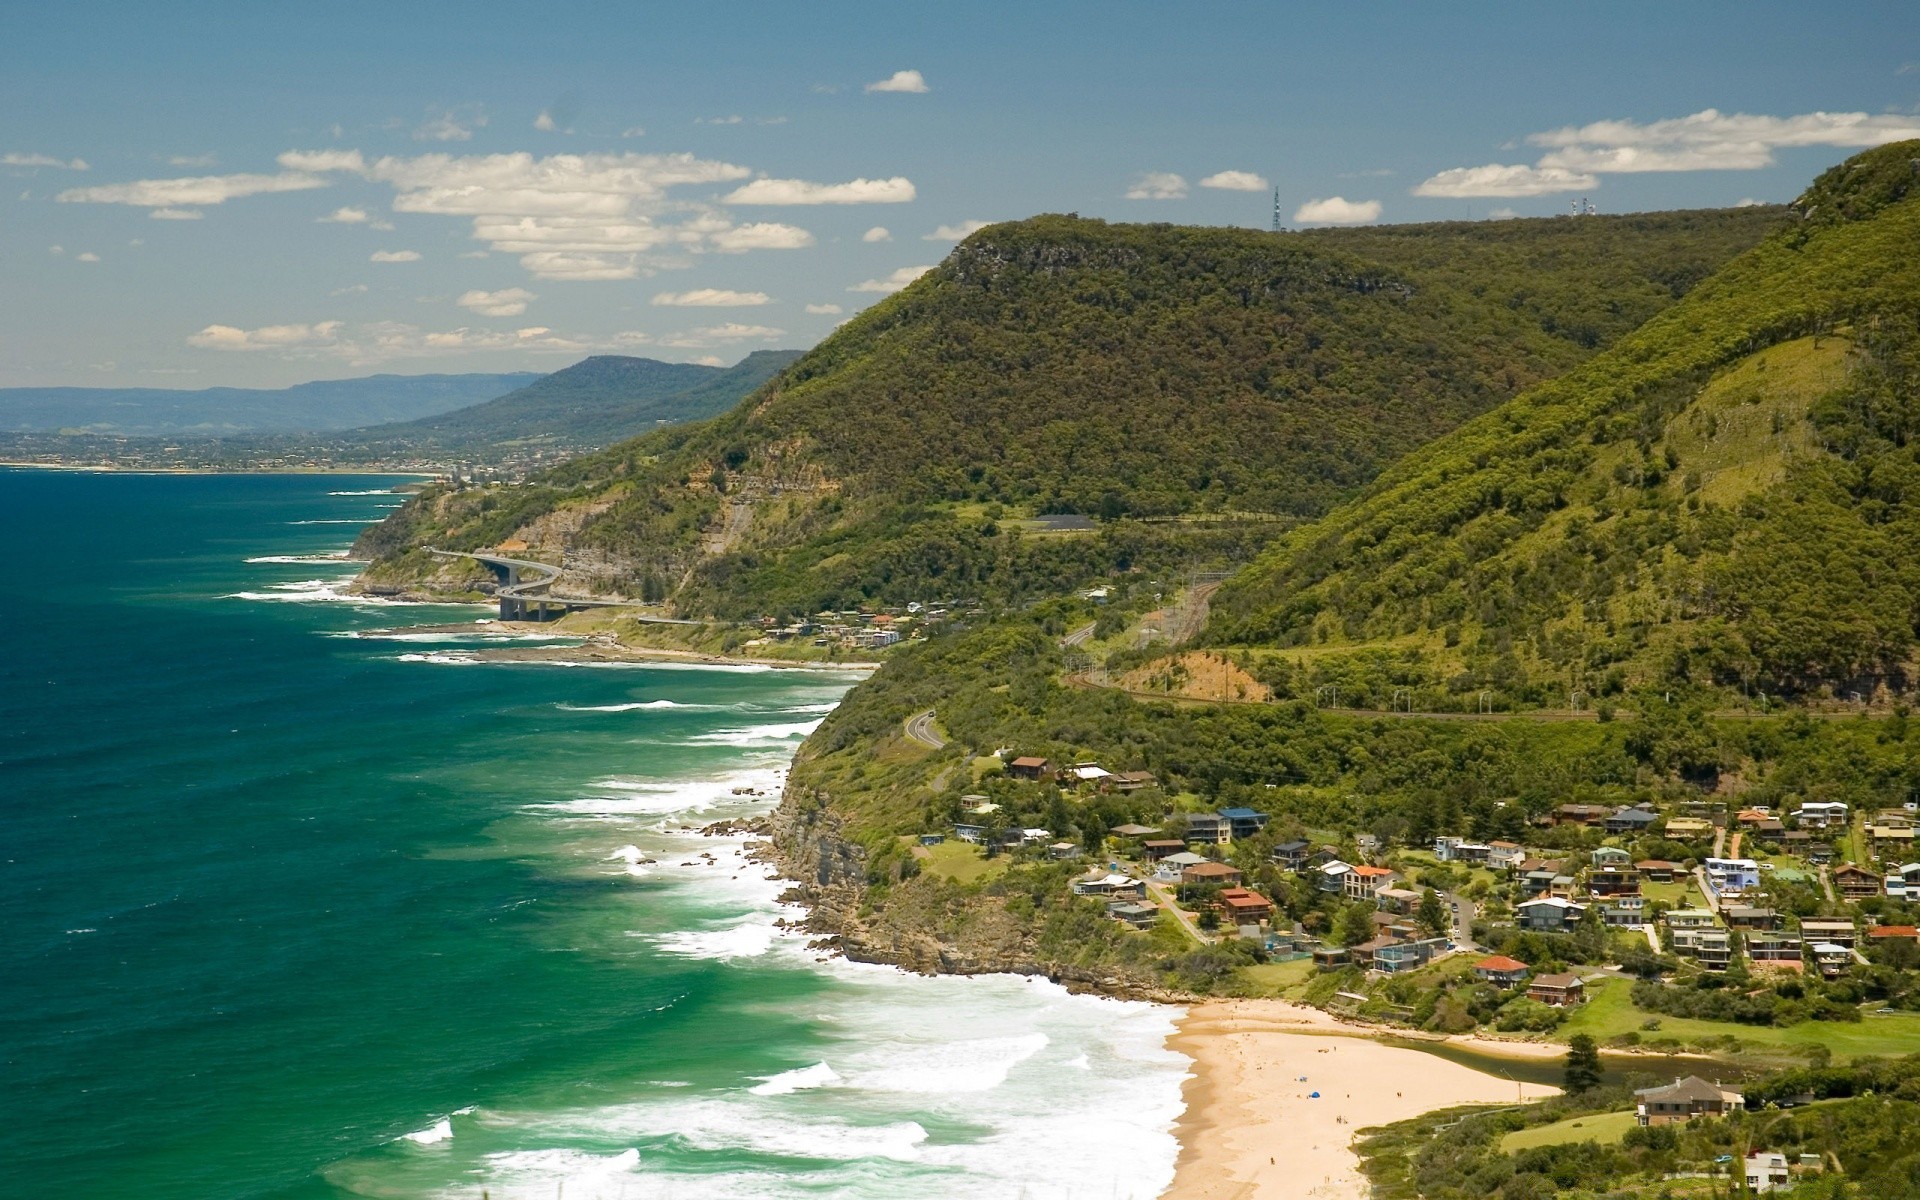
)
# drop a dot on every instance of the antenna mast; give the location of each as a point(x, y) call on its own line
point(1276, 210)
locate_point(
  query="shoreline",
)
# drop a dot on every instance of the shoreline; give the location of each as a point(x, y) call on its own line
point(1252, 1128)
point(111, 469)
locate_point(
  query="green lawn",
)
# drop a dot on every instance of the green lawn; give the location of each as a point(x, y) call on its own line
point(1609, 1012)
point(1272, 979)
point(1604, 1128)
point(958, 860)
point(1674, 893)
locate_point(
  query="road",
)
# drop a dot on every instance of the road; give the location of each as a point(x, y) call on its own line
point(538, 587)
point(1463, 923)
point(920, 729)
point(1079, 636)
point(1164, 898)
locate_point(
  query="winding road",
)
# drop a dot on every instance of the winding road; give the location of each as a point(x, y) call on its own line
point(920, 728)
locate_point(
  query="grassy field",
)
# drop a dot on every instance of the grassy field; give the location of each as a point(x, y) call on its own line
point(1609, 1012)
point(1274, 979)
point(957, 860)
point(1604, 1128)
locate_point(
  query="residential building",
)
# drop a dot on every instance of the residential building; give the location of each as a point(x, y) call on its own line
point(1242, 907)
point(1210, 828)
point(1614, 881)
point(1774, 948)
point(1115, 886)
point(1767, 1171)
point(1292, 855)
point(1837, 930)
point(1134, 912)
point(1558, 990)
point(1683, 1100)
point(1397, 900)
point(1881, 934)
point(1749, 818)
point(1062, 850)
point(1624, 912)
point(1502, 855)
point(1210, 872)
point(1831, 958)
point(1154, 849)
point(1171, 868)
point(1891, 835)
point(1244, 822)
point(1501, 971)
point(1407, 955)
point(1453, 849)
point(1631, 820)
point(1689, 918)
point(1029, 767)
point(1656, 870)
point(1549, 914)
point(1331, 876)
point(1088, 772)
point(1741, 916)
point(1363, 881)
point(1132, 781)
point(1581, 814)
point(1689, 829)
point(1130, 831)
point(1711, 948)
point(1732, 874)
point(1610, 858)
point(1855, 882)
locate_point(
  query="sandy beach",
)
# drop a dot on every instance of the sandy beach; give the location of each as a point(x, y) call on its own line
point(1251, 1130)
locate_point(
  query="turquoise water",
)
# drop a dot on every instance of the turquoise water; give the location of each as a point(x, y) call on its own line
point(297, 909)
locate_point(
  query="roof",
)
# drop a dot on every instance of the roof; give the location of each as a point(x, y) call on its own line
point(1158, 842)
point(1185, 858)
point(1691, 1088)
point(1028, 760)
point(1499, 962)
point(1893, 931)
point(1371, 872)
point(1211, 868)
point(1131, 830)
point(1656, 864)
point(1558, 981)
point(1240, 814)
point(1293, 845)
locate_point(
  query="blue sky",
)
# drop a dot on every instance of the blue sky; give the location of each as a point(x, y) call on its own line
point(208, 194)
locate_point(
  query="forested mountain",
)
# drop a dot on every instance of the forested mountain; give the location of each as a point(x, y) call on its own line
point(1189, 388)
point(324, 405)
point(602, 399)
point(1729, 496)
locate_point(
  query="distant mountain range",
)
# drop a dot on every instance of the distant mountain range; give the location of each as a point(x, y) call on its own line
point(321, 406)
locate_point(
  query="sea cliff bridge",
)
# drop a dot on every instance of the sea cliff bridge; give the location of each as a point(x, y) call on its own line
point(525, 590)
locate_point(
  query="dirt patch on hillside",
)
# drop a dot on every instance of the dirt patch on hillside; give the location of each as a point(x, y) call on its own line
point(1195, 675)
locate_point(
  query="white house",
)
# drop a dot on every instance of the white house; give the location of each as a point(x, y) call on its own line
point(1732, 874)
point(1767, 1172)
point(1821, 814)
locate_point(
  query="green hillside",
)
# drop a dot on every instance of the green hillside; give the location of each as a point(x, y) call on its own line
point(1728, 497)
point(1191, 390)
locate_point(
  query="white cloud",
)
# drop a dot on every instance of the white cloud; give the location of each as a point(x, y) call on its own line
point(1502, 214)
point(353, 290)
point(825, 310)
point(475, 254)
point(320, 161)
point(507, 302)
point(761, 235)
point(1236, 181)
point(176, 214)
point(42, 160)
point(394, 256)
point(734, 331)
point(1337, 210)
point(896, 190)
point(452, 125)
point(87, 256)
point(901, 81)
point(1710, 140)
point(1158, 185)
point(192, 160)
point(954, 233)
point(893, 282)
point(735, 119)
point(268, 337)
point(1749, 202)
point(634, 131)
point(344, 216)
point(1464, 183)
point(544, 122)
point(56, 251)
point(877, 234)
point(187, 193)
point(711, 298)
point(711, 360)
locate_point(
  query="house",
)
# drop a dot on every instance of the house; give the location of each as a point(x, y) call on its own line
point(1398, 900)
point(1210, 872)
point(932, 839)
point(1407, 955)
point(1766, 1171)
point(1115, 886)
point(1169, 868)
point(1362, 881)
point(1581, 814)
point(1154, 849)
point(1891, 835)
point(1550, 914)
point(1831, 958)
point(1821, 853)
point(1839, 931)
point(1732, 874)
point(1501, 971)
point(1689, 829)
point(1453, 849)
point(1292, 855)
point(973, 834)
point(1770, 830)
point(1132, 781)
point(1774, 948)
point(1559, 991)
point(1711, 948)
point(1749, 818)
point(1683, 1100)
point(1620, 881)
point(1821, 814)
point(1130, 831)
point(1209, 828)
point(1063, 850)
point(1856, 882)
point(1134, 912)
point(1242, 907)
point(1331, 958)
point(1611, 858)
point(1502, 855)
point(1881, 934)
point(1035, 836)
point(1689, 918)
point(1244, 822)
point(1029, 767)
point(1631, 820)
point(1656, 870)
point(1624, 912)
point(1741, 916)
point(1088, 772)
point(1331, 876)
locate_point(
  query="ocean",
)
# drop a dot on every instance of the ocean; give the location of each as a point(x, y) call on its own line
point(296, 908)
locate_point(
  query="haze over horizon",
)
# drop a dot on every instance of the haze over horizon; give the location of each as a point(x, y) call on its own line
point(263, 200)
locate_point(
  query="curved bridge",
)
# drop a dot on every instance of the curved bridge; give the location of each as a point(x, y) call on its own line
point(528, 599)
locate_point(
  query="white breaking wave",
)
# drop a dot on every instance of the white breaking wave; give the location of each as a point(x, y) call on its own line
point(319, 591)
point(799, 1079)
point(332, 521)
point(328, 560)
point(439, 1131)
point(636, 706)
point(372, 492)
point(444, 658)
point(755, 734)
point(750, 938)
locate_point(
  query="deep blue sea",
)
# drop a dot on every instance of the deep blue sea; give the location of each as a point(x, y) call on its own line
point(292, 905)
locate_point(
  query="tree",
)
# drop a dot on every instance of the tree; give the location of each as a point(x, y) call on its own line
point(1431, 917)
point(1583, 1065)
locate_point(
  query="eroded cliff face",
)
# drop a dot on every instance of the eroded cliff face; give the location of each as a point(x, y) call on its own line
point(918, 926)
